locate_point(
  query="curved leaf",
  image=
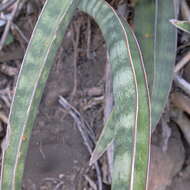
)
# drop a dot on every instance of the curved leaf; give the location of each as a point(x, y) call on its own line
point(31, 82)
point(129, 80)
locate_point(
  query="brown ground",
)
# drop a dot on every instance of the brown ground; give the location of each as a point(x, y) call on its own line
point(56, 149)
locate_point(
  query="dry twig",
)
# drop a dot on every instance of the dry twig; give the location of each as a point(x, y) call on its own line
point(84, 131)
point(185, 10)
point(6, 96)
point(8, 70)
point(183, 122)
point(59, 185)
point(181, 101)
point(88, 38)
point(182, 62)
point(107, 110)
point(8, 25)
point(76, 29)
point(183, 84)
point(6, 5)
point(91, 183)
point(14, 26)
point(3, 118)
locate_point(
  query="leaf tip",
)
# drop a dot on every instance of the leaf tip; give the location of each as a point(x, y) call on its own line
point(94, 157)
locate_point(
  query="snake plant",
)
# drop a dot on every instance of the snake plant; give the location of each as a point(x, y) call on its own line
point(183, 25)
point(157, 38)
point(129, 125)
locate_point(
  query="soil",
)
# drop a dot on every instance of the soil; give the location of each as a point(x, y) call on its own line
point(57, 154)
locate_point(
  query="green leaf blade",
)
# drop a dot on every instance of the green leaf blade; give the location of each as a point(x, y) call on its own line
point(30, 85)
point(164, 58)
point(143, 131)
point(158, 52)
point(182, 25)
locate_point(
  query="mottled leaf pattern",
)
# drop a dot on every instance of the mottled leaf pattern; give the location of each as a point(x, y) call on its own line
point(30, 85)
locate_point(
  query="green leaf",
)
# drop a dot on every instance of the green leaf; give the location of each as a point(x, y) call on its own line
point(30, 85)
point(181, 24)
point(142, 134)
point(158, 41)
point(129, 124)
point(144, 29)
point(129, 146)
point(124, 89)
